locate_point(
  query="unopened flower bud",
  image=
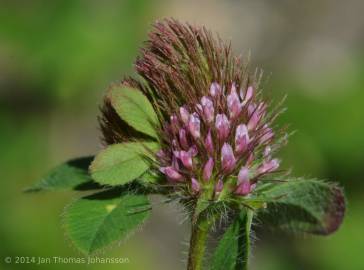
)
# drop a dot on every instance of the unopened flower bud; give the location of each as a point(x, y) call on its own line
point(208, 168)
point(195, 185)
point(209, 145)
point(227, 158)
point(241, 138)
point(256, 116)
point(244, 188)
point(175, 163)
point(243, 184)
point(208, 109)
point(243, 175)
point(269, 166)
point(222, 125)
point(171, 173)
point(249, 94)
point(185, 115)
point(186, 159)
point(251, 108)
point(215, 89)
point(194, 125)
point(183, 139)
point(253, 121)
point(233, 103)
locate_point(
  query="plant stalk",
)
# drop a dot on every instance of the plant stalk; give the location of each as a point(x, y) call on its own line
point(245, 240)
point(199, 233)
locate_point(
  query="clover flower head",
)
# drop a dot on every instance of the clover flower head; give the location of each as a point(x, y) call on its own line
point(224, 138)
point(216, 130)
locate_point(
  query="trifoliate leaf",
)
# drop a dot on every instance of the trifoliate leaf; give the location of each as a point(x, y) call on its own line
point(135, 109)
point(95, 221)
point(121, 163)
point(232, 251)
point(72, 174)
point(308, 206)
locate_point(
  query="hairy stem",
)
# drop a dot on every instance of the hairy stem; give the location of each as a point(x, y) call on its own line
point(199, 233)
point(244, 240)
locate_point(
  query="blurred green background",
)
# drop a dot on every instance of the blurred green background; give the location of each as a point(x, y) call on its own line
point(57, 57)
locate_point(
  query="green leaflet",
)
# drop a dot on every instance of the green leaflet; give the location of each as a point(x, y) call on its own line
point(308, 206)
point(95, 221)
point(233, 250)
point(121, 163)
point(72, 174)
point(135, 109)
